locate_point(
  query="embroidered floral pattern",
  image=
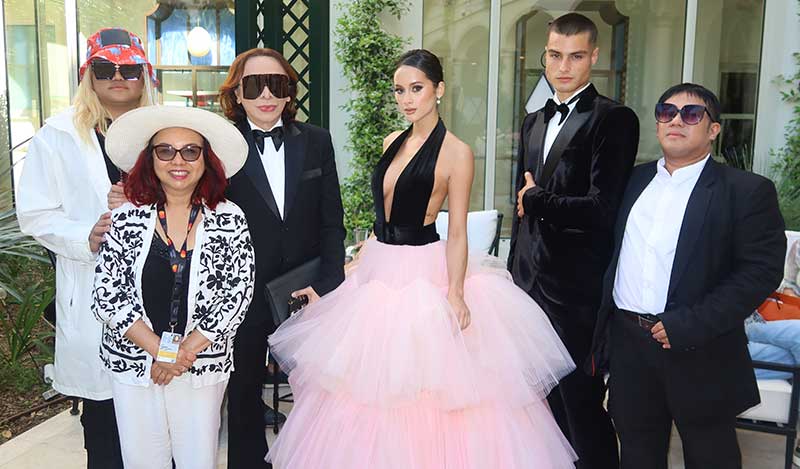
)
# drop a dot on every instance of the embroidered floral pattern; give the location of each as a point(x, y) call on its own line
point(225, 287)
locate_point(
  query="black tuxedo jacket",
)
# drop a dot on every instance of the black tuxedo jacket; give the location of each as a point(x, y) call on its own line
point(564, 241)
point(728, 259)
point(313, 215)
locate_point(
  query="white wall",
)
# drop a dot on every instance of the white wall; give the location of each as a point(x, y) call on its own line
point(409, 26)
point(781, 40)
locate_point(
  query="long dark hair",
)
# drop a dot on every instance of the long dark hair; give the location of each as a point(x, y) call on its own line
point(424, 60)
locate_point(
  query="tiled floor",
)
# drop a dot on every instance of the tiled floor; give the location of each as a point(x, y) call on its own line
point(58, 443)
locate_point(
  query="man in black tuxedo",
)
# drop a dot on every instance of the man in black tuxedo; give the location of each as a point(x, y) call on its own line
point(289, 192)
point(575, 157)
point(698, 246)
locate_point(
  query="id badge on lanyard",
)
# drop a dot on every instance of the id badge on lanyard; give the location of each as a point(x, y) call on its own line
point(171, 341)
point(168, 348)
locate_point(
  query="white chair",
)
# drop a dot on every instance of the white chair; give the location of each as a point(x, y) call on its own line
point(780, 399)
point(483, 230)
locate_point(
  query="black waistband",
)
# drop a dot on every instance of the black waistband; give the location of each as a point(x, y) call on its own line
point(406, 235)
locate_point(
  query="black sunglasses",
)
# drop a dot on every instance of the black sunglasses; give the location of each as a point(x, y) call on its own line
point(278, 84)
point(166, 152)
point(105, 70)
point(691, 114)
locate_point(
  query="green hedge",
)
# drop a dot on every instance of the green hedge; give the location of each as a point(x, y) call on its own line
point(367, 54)
point(788, 156)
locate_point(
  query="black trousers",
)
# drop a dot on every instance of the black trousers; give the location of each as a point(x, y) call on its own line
point(577, 401)
point(100, 435)
point(643, 407)
point(247, 442)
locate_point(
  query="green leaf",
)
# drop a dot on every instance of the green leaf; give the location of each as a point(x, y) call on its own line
point(367, 54)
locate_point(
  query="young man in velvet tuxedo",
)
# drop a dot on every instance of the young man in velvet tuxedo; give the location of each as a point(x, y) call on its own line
point(575, 157)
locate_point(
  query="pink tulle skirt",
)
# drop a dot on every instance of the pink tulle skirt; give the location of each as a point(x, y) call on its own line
point(383, 378)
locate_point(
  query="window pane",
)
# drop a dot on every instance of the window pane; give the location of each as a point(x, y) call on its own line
point(97, 14)
point(458, 33)
point(640, 56)
point(54, 57)
point(727, 60)
point(23, 77)
point(208, 83)
point(176, 86)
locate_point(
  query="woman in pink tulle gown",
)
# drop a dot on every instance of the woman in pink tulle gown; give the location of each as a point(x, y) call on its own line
point(422, 358)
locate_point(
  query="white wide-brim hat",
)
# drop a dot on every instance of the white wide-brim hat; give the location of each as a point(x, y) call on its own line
point(131, 132)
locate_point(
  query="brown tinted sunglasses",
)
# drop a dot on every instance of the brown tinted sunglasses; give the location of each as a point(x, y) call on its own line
point(278, 84)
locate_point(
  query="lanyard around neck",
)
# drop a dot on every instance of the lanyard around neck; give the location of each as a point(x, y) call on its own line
point(177, 260)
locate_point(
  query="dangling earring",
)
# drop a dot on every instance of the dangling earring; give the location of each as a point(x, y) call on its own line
point(438, 101)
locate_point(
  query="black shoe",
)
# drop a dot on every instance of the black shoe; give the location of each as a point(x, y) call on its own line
point(272, 417)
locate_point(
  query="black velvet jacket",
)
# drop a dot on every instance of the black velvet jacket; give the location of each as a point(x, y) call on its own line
point(564, 241)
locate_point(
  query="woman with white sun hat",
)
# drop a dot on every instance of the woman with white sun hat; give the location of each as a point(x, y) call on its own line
point(173, 280)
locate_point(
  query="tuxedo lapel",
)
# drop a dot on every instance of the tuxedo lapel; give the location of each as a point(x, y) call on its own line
point(254, 169)
point(575, 121)
point(534, 145)
point(693, 220)
point(294, 152)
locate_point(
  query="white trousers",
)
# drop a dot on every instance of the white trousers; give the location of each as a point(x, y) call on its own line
point(160, 423)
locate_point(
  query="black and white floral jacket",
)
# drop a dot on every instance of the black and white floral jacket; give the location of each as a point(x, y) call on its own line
point(220, 289)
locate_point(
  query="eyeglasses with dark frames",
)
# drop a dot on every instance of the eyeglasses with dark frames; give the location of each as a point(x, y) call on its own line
point(278, 84)
point(166, 152)
point(691, 114)
point(105, 70)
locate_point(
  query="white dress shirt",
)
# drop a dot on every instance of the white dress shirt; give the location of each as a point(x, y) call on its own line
point(651, 237)
point(274, 166)
point(553, 127)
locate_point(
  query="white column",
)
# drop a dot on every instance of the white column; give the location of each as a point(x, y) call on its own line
point(73, 48)
point(689, 40)
point(491, 102)
point(6, 132)
point(781, 36)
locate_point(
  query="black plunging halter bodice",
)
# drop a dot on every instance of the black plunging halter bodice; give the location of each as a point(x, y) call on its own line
point(412, 192)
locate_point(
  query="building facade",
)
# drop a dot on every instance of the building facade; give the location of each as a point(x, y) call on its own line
point(491, 51)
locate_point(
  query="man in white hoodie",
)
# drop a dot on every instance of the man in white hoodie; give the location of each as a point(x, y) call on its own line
point(62, 203)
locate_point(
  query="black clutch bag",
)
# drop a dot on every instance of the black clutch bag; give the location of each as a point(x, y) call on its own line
point(279, 290)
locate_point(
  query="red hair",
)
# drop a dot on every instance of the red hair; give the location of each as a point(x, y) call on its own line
point(142, 187)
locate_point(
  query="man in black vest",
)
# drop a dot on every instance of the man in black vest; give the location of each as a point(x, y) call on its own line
point(575, 157)
point(289, 192)
point(698, 245)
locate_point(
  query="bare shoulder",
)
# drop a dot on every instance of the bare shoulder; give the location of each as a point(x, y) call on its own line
point(391, 138)
point(453, 149)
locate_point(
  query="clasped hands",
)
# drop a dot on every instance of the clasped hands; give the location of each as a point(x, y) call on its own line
point(162, 373)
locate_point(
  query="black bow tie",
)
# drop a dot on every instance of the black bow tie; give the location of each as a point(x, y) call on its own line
point(550, 109)
point(276, 134)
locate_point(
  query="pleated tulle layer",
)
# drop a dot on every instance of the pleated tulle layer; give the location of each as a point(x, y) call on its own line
point(384, 378)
